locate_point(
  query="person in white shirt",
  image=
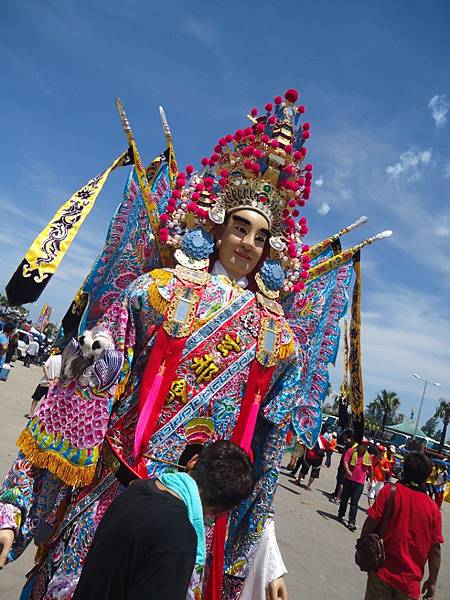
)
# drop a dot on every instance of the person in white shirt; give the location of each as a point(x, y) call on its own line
point(32, 352)
point(52, 372)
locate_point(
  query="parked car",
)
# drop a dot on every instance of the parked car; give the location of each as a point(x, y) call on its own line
point(22, 343)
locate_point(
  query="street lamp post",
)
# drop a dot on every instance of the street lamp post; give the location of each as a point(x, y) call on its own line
point(425, 383)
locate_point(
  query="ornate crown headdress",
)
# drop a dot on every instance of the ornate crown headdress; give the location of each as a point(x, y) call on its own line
point(260, 168)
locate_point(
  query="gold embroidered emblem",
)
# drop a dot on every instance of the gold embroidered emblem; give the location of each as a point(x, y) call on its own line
point(181, 312)
point(269, 341)
point(270, 305)
point(177, 391)
point(205, 368)
point(229, 344)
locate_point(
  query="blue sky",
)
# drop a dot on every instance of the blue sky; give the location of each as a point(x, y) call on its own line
point(372, 74)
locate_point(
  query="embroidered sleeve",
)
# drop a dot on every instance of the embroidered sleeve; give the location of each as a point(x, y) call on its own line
point(27, 497)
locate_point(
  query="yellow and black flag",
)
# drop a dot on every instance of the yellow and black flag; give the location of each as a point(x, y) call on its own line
point(50, 246)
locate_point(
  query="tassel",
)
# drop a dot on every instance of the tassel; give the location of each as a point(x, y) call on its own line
point(69, 473)
point(147, 409)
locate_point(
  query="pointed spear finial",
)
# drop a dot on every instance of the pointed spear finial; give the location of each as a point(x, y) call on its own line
point(123, 115)
point(165, 124)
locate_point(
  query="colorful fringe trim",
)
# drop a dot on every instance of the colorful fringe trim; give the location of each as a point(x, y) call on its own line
point(69, 473)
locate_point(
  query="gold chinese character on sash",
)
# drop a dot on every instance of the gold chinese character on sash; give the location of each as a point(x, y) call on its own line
point(177, 391)
point(204, 368)
point(229, 344)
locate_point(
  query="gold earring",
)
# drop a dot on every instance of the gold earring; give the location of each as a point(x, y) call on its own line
point(218, 244)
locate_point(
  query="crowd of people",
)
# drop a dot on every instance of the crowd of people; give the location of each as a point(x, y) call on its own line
point(404, 496)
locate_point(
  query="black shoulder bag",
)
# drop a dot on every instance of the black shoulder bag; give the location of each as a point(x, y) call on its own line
point(370, 554)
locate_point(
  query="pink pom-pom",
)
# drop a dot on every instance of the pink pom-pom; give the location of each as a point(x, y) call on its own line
point(289, 169)
point(222, 142)
point(298, 287)
point(247, 163)
point(215, 157)
point(176, 193)
point(305, 195)
point(305, 248)
point(164, 234)
point(251, 138)
point(199, 187)
point(304, 151)
point(304, 274)
point(269, 107)
point(218, 148)
point(292, 203)
point(302, 220)
point(164, 218)
point(291, 95)
point(258, 153)
point(224, 173)
point(272, 120)
point(248, 131)
point(274, 143)
point(295, 213)
point(278, 100)
point(208, 181)
point(292, 250)
point(189, 169)
point(304, 230)
point(288, 149)
point(285, 213)
point(172, 202)
point(308, 175)
point(170, 209)
point(306, 135)
point(195, 196)
point(229, 138)
point(306, 126)
point(254, 112)
point(255, 167)
point(309, 167)
point(298, 155)
point(260, 127)
point(265, 139)
point(239, 134)
point(301, 181)
point(223, 181)
point(301, 203)
point(301, 109)
point(205, 161)
point(192, 207)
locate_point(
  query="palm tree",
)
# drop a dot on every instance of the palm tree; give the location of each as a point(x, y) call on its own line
point(443, 412)
point(388, 403)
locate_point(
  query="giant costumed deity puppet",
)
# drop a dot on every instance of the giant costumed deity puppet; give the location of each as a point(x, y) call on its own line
point(227, 336)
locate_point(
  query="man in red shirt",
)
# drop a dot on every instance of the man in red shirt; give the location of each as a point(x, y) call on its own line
point(313, 459)
point(357, 466)
point(413, 536)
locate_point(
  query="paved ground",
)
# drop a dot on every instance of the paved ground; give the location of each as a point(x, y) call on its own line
point(318, 551)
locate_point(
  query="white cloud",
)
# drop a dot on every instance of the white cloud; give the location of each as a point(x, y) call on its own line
point(323, 209)
point(319, 182)
point(403, 331)
point(439, 108)
point(410, 164)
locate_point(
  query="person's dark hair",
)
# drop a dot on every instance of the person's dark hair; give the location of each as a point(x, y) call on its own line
point(224, 474)
point(9, 327)
point(416, 468)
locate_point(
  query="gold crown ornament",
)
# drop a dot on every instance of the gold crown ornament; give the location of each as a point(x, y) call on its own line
point(259, 168)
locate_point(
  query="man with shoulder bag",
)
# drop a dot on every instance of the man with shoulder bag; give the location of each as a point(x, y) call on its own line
point(402, 532)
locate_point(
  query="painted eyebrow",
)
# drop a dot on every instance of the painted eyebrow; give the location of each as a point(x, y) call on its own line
point(247, 222)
